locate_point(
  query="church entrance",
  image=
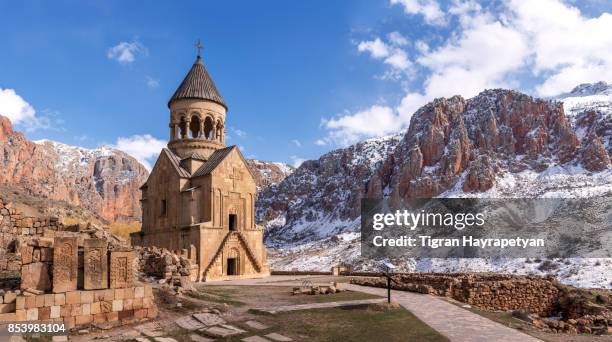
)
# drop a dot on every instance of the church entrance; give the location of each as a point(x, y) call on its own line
point(232, 266)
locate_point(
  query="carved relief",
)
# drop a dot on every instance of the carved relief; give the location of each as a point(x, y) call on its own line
point(65, 264)
point(121, 274)
point(95, 264)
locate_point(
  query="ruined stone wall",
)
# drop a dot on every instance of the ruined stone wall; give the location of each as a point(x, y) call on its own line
point(79, 274)
point(486, 291)
point(15, 228)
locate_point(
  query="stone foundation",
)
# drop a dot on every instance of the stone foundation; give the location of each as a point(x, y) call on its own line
point(75, 308)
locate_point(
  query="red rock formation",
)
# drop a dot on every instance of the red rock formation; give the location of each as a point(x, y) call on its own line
point(594, 156)
point(104, 181)
point(456, 135)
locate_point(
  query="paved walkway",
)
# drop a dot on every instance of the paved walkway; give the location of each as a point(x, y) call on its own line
point(458, 324)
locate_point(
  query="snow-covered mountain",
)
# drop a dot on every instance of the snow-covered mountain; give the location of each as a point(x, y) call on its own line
point(500, 143)
point(588, 96)
point(322, 196)
point(268, 173)
point(104, 181)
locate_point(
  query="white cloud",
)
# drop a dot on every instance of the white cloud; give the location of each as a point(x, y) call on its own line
point(22, 114)
point(152, 83)
point(421, 46)
point(371, 122)
point(397, 39)
point(429, 9)
point(391, 55)
point(550, 39)
point(377, 48)
point(568, 48)
point(296, 161)
point(239, 133)
point(15, 107)
point(145, 148)
point(126, 52)
point(322, 142)
point(296, 142)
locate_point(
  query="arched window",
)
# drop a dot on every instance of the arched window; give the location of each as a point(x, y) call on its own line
point(194, 127)
point(208, 128)
point(182, 128)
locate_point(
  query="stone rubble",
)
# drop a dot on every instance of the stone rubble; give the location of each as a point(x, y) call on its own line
point(165, 267)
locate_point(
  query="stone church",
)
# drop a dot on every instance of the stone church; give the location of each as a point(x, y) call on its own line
point(199, 199)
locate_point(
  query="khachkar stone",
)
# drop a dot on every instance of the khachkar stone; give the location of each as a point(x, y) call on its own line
point(121, 272)
point(95, 264)
point(65, 264)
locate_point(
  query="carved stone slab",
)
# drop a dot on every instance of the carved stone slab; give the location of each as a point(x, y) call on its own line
point(121, 272)
point(65, 264)
point(95, 264)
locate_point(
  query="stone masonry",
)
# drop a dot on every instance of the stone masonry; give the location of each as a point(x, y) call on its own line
point(486, 291)
point(64, 274)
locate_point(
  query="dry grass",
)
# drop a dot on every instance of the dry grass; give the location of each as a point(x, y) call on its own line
point(124, 229)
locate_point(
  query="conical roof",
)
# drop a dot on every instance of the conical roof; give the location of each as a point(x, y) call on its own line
point(198, 85)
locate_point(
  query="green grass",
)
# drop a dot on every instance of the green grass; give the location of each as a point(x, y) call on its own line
point(356, 323)
point(217, 294)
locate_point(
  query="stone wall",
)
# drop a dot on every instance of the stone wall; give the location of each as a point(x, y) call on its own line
point(78, 274)
point(487, 291)
point(77, 308)
point(15, 227)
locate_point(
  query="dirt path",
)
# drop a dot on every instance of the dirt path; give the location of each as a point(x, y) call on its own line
point(457, 324)
point(282, 308)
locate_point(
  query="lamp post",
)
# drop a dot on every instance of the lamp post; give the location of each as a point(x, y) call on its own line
point(387, 269)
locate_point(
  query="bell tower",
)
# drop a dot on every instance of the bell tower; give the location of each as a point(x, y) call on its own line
point(197, 114)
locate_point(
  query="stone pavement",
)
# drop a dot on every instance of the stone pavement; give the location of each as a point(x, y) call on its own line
point(458, 324)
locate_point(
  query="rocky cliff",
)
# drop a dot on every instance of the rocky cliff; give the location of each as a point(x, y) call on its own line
point(501, 143)
point(102, 180)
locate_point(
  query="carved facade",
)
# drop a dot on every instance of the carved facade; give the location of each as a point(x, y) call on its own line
point(199, 199)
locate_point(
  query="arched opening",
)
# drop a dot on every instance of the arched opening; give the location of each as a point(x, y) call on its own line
point(194, 127)
point(182, 128)
point(208, 128)
point(233, 262)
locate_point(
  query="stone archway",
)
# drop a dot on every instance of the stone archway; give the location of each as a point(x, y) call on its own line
point(233, 262)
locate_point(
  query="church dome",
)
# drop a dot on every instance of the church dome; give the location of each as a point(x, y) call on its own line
point(198, 85)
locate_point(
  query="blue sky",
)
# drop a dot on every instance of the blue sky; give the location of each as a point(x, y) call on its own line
point(300, 78)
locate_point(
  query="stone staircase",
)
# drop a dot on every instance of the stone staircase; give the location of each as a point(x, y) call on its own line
point(243, 242)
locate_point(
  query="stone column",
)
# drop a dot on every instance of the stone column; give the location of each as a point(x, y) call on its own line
point(175, 127)
point(202, 136)
point(172, 131)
